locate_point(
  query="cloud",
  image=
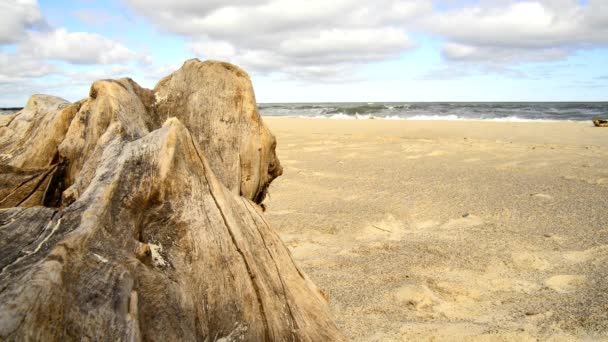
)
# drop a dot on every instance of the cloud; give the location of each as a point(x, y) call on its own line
point(326, 40)
point(15, 68)
point(312, 40)
point(76, 47)
point(36, 57)
point(18, 16)
point(91, 75)
point(33, 55)
point(101, 18)
point(500, 36)
point(499, 56)
point(511, 32)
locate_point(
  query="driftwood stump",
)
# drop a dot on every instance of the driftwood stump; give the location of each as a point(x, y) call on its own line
point(133, 215)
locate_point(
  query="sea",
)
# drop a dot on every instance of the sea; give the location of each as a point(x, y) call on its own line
point(9, 110)
point(490, 111)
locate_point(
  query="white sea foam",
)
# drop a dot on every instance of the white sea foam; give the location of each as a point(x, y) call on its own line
point(518, 119)
point(462, 111)
point(450, 117)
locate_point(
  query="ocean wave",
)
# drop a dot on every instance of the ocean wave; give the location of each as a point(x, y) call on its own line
point(8, 111)
point(338, 116)
point(363, 109)
point(485, 111)
point(341, 116)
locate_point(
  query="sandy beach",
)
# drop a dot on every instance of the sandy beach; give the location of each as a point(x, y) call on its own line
point(449, 230)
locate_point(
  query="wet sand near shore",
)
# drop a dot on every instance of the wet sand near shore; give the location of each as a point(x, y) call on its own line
point(439, 230)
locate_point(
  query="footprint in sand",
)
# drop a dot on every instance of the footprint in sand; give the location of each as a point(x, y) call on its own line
point(529, 261)
point(565, 283)
point(513, 285)
point(458, 291)
point(304, 250)
point(419, 297)
point(595, 255)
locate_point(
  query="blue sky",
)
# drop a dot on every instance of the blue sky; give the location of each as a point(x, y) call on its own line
point(315, 51)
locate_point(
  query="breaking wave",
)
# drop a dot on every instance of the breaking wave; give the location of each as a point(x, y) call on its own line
point(500, 112)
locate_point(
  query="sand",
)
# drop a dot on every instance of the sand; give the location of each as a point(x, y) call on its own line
point(449, 230)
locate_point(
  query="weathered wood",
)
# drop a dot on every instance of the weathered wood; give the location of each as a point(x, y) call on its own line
point(143, 237)
point(600, 122)
point(215, 100)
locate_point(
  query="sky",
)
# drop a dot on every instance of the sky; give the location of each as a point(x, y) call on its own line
point(315, 50)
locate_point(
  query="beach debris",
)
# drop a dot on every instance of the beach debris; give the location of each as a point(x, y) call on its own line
point(600, 122)
point(133, 215)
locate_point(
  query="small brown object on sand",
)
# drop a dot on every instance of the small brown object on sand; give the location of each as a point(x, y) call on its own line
point(132, 215)
point(600, 122)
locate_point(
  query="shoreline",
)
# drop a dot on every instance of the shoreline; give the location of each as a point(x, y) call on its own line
point(563, 133)
point(429, 118)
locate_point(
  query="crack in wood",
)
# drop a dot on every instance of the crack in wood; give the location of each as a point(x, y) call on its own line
point(238, 249)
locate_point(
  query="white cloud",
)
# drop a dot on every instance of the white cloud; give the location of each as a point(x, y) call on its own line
point(14, 68)
point(323, 39)
point(311, 40)
point(76, 47)
point(33, 55)
point(501, 56)
point(101, 18)
point(220, 50)
point(346, 42)
point(91, 75)
point(520, 31)
point(16, 17)
point(500, 36)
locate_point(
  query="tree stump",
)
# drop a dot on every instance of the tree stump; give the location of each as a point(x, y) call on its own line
point(133, 215)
